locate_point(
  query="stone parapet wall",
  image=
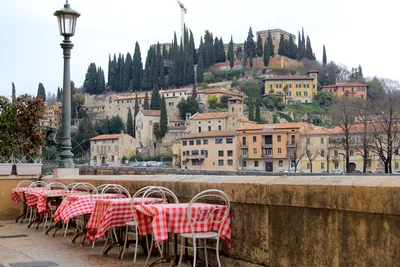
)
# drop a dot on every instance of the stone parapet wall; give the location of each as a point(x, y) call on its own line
point(296, 221)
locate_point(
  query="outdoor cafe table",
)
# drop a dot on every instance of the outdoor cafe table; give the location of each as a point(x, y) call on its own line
point(161, 219)
point(18, 195)
point(111, 213)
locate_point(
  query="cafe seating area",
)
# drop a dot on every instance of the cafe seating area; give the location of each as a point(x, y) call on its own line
point(150, 223)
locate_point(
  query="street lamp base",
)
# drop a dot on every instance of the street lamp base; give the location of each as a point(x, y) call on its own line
point(66, 163)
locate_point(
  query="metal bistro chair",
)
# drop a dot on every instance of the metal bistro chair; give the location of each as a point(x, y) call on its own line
point(168, 197)
point(32, 211)
point(78, 189)
point(133, 224)
point(49, 215)
point(204, 215)
point(121, 191)
point(24, 209)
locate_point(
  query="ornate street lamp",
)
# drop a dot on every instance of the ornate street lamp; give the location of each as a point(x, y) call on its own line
point(66, 23)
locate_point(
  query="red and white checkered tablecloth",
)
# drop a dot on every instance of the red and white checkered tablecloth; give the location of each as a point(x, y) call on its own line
point(75, 205)
point(110, 213)
point(40, 198)
point(17, 194)
point(161, 219)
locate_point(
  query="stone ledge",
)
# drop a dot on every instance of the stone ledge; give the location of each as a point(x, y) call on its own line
point(373, 194)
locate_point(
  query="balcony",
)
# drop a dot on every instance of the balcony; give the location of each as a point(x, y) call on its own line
point(291, 144)
point(267, 145)
point(267, 156)
point(245, 145)
point(194, 157)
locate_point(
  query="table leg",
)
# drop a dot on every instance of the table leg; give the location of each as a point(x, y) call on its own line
point(60, 226)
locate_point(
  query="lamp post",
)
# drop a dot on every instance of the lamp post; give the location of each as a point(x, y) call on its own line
point(66, 23)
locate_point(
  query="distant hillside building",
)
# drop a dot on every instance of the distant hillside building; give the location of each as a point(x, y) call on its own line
point(352, 89)
point(219, 121)
point(293, 89)
point(276, 36)
point(52, 116)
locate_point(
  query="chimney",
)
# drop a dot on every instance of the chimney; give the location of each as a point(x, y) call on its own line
point(188, 116)
point(122, 132)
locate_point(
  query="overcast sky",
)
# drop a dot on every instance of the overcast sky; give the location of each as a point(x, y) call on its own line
point(354, 32)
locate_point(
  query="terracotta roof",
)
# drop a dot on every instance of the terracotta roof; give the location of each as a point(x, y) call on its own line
point(148, 112)
point(210, 115)
point(286, 125)
point(287, 77)
point(216, 91)
point(211, 134)
point(322, 131)
point(174, 117)
point(106, 137)
point(131, 97)
point(174, 90)
point(177, 128)
point(235, 98)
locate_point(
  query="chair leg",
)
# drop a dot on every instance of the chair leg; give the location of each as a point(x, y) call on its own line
point(126, 241)
point(151, 248)
point(205, 252)
point(66, 229)
point(194, 251)
point(105, 244)
point(136, 245)
point(217, 252)
point(182, 247)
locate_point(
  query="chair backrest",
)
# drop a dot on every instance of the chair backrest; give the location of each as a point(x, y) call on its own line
point(116, 188)
point(138, 194)
point(82, 188)
point(99, 188)
point(159, 192)
point(71, 185)
point(56, 185)
point(38, 184)
point(25, 183)
point(202, 214)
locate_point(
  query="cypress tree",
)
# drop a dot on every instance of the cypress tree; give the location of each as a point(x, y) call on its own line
point(181, 67)
point(282, 49)
point(164, 117)
point(117, 73)
point(251, 110)
point(146, 104)
point(100, 82)
point(137, 68)
point(299, 48)
point(146, 79)
point(245, 55)
point(162, 74)
point(216, 50)
point(303, 44)
point(41, 92)
point(155, 103)
point(109, 76)
point(112, 82)
point(230, 54)
point(239, 52)
point(292, 48)
point(259, 46)
point(270, 44)
point(266, 54)
point(157, 62)
point(202, 52)
point(129, 124)
point(209, 50)
point(251, 46)
point(324, 59)
point(309, 51)
point(13, 93)
point(137, 105)
point(126, 83)
point(90, 83)
point(258, 114)
point(359, 72)
point(200, 70)
point(59, 95)
point(192, 48)
point(190, 71)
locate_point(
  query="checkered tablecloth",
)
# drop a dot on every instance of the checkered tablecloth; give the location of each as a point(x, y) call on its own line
point(110, 213)
point(17, 194)
point(39, 198)
point(161, 219)
point(75, 205)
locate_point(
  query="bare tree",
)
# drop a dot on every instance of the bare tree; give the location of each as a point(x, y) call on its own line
point(296, 154)
point(343, 113)
point(385, 125)
point(327, 155)
point(309, 151)
point(362, 130)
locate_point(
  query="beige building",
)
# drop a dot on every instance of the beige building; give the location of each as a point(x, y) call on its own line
point(108, 150)
point(173, 97)
point(276, 37)
point(215, 150)
point(219, 121)
point(52, 116)
point(204, 94)
point(145, 120)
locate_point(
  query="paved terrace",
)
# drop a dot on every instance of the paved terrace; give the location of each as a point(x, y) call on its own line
point(36, 246)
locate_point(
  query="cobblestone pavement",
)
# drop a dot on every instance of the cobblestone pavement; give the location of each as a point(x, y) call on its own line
point(36, 246)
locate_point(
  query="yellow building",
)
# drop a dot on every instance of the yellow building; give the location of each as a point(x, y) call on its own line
point(108, 149)
point(269, 147)
point(52, 116)
point(322, 151)
point(293, 89)
point(221, 121)
point(215, 150)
